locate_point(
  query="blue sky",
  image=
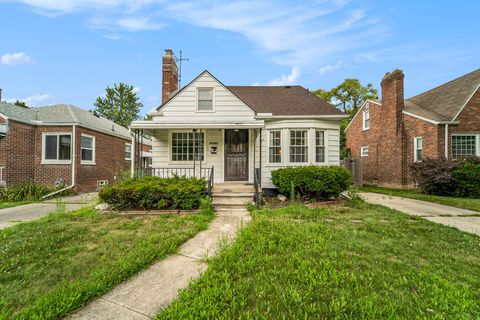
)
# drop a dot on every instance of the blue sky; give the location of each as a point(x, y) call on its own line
point(58, 51)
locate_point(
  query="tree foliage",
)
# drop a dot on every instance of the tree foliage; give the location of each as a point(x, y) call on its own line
point(21, 104)
point(120, 104)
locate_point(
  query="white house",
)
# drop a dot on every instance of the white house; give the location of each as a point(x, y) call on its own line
point(242, 132)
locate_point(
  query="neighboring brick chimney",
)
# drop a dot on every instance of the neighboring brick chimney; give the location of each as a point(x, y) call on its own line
point(392, 97)
point(169, 75)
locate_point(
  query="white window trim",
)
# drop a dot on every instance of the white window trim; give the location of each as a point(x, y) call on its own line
point(477, 142)
point(415, 149)
point(170, 146)
point(127, 144)
point(324, 145)
point(49, 161)
point(367, 109)
point(213, 100)
point(282, 156)
point(307, 138)
point(362, 151)
point(88, 162)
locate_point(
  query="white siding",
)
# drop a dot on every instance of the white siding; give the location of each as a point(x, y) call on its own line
point(226, 106)
point(332, 145)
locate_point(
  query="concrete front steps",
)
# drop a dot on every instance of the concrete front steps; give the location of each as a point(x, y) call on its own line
point(232, 195)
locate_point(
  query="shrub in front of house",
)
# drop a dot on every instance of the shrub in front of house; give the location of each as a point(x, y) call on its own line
point(467, 178)
point(448, 178)
point(312, 182)
point(24, 192)
point(155, 193)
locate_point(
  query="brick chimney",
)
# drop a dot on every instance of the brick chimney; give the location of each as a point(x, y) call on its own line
point(392, 98)
point(169, 75)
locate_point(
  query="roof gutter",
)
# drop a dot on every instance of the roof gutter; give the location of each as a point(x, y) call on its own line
point(325, 116)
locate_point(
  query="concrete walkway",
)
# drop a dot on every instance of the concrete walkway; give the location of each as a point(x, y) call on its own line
point(462, 219)
point(33, 211)
point(155, 288)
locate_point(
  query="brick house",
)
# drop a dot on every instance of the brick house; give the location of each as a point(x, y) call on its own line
point(392, 134)
point(36, 146)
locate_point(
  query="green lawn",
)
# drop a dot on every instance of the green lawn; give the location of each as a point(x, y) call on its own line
point(4, 205)
point(52, 266)
point(360, 261)
point(465, 203)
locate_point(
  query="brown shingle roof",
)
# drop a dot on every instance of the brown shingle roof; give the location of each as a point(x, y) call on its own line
point(444, 102)
point(283, 100)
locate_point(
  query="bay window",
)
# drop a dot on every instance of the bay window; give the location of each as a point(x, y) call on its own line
point(298, 146)
point(275, 147)
point(319, 146)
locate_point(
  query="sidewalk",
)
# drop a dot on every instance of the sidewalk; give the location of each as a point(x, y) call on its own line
point(33, 211)
point(155, 288)
point(462, 219)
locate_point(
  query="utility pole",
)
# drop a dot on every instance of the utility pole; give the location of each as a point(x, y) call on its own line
point(179, 60)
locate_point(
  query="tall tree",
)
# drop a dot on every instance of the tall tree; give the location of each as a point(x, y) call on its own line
point(120, 104)
point(348, 96)
point(21, 104)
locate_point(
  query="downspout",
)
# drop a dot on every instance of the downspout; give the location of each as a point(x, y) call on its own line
point(74, 161)
point(132, 154)
point(446, 141)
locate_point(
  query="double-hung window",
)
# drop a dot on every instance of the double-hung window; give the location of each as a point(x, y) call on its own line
point(275, 146)
point(417, 149)
point(319, 146)
point(128, 151)
point(465, 145)
point(366, 118)
point(298, 146)
point(364, 151)
point(205, 99)
point(187, 144)
point(56, 148)
point(87, 149)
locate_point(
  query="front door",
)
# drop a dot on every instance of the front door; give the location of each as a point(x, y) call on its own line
point(236, 154)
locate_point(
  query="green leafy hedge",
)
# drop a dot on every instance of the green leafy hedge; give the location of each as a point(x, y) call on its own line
point(451, 178)
point(155, 193)
point(24, 192)
point(312, 182)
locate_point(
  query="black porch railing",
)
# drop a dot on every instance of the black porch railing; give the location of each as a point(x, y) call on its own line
point(205, 173)
point(256, 185)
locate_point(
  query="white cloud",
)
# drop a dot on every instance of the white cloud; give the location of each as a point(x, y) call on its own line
point(36, 100)
point(126, 24)
point(330, 67)
point(284, 80)
point(17, 58)
point(136, 89)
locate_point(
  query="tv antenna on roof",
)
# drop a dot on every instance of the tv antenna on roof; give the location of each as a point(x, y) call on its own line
point(179, 60)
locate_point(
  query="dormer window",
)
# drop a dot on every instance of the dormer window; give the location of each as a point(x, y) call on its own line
point(366, 117)
point(205, 99)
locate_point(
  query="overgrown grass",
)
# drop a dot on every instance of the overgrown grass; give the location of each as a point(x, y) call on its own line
point(362, 261)
point(52, 266)
point(465, 203)
point(4, 205)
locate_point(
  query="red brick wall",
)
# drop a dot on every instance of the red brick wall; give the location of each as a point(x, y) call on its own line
point(16, 153)
point(469, 120)
point(169, 76)
point(109, 160)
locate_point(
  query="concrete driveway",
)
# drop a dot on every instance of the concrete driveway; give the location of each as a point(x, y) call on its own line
point(33, 211)
point(462, 219)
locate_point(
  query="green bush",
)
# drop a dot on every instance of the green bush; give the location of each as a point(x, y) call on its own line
point(24, 192)
point(312, 182)
point(155, 193)
point(467, 179)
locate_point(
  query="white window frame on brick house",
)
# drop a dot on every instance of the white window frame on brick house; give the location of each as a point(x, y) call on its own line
point(476, 144)
point(93, 149)
point(364, 151)
point(366, 117)
point(297, 146)
point(2, 181)
point(274, 148)
point(212, 107)
point(129, 152)
point(417, 147)
point(44, 150)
